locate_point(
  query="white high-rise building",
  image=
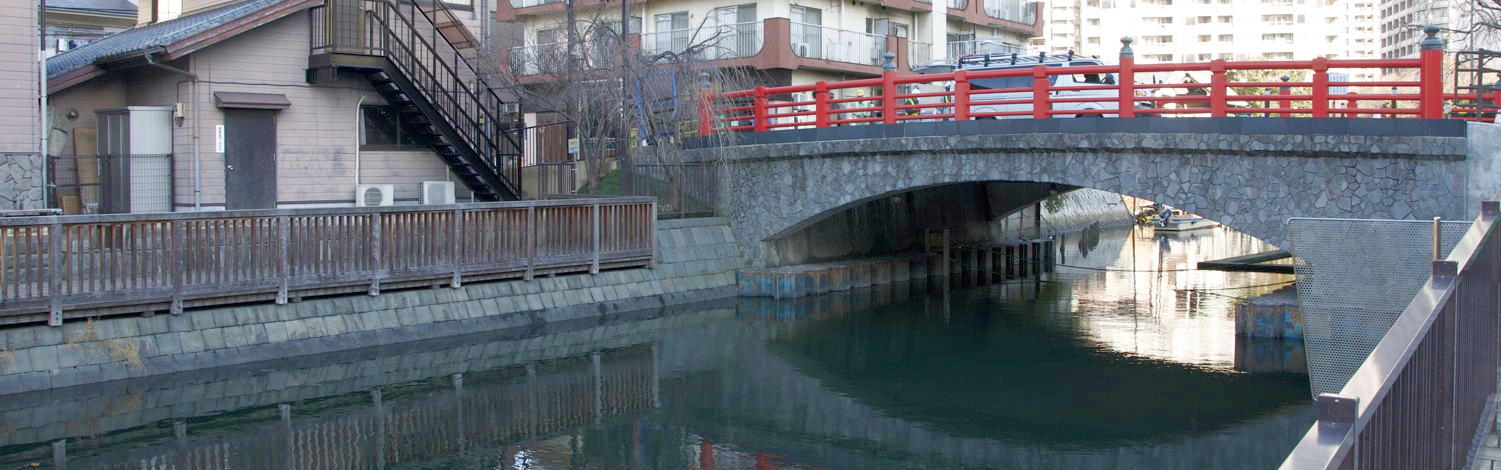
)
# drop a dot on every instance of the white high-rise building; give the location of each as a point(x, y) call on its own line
point(1203, 30)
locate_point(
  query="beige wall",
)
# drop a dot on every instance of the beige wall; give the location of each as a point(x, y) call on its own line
point(85, 99)
point(18, 77)
point(316, 136)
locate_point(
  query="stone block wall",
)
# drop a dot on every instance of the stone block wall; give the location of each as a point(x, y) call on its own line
point(20, 181)
point(696, 260)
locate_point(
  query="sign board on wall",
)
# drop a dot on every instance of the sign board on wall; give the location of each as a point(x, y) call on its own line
point(573, 146)
point(219, 138)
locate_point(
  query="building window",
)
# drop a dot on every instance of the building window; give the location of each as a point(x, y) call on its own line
point(460, 4)
point(1279, 56)
point(381, 126)
point(1227, 37)
point(1277, 20)
point(807, 33)
point(1279, 38)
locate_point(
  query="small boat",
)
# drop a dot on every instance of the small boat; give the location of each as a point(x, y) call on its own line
point(1179, 221)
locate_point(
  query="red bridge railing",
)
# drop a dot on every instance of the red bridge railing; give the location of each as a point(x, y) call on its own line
point(953, 98)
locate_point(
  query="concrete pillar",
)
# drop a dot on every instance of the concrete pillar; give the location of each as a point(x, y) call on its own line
point(938, 31)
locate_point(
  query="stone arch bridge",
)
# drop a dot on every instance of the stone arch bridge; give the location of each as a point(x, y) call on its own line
point(805, 194)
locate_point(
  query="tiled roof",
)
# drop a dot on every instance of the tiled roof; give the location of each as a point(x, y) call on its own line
point(152, 36)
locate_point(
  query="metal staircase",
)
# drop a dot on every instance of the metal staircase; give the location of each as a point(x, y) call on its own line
point(408, 52)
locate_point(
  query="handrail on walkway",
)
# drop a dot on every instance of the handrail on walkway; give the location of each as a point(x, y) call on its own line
point(964, 94)
point(52, 264)
point(1418, 400)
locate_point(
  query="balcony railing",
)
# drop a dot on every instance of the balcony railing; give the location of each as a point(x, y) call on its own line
point(994, 45)
point(531, 3)
point(822, 42)
point(552, 57)
point(919, 53)
point(729, 41)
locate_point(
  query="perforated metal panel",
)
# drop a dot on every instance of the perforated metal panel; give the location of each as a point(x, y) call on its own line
point(1354, 278)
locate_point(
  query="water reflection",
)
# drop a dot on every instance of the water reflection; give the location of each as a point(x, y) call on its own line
point(1120, 362)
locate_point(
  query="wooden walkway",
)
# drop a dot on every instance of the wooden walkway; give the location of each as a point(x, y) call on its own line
point(52, 268)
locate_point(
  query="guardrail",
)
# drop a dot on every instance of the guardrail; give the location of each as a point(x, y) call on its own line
point(1419, 399)
point(840, 45)
point(92, 264)
point(1104, 91)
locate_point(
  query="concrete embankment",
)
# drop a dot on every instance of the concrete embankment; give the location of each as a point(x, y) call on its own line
point(696, 260)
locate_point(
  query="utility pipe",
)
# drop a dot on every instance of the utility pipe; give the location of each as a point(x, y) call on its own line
point(43, 126)
point(359, 121)
point(197, 159)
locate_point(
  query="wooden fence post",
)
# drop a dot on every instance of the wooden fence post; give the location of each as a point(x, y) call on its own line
point(283, 261)
point(651, 236)
point(377, 267)
point(458, 249)
point(179, 264)
point(531, 241)
point(55, 274)
point(594, 267)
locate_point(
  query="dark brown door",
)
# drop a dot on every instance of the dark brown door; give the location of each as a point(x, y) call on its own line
point(249, 159)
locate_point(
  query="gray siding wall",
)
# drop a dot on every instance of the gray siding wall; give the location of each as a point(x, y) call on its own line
point(18, 77)
point(317, 137)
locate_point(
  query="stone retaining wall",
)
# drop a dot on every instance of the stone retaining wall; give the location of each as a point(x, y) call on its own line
point(696, 259)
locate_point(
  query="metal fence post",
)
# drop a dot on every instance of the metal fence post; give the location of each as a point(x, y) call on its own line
point(1438, 230)
point(55, 274)
point(283, 263)
point(376, 264)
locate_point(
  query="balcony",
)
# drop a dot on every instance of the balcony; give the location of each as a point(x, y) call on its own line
point(990, 45)
point(919, 53)
point(553, 57)
point(730, 41)
point(839, 45)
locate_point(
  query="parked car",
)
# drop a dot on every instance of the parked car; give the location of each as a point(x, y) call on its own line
point(979, 99)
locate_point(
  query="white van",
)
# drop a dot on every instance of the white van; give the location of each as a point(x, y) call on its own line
point(1107, 98)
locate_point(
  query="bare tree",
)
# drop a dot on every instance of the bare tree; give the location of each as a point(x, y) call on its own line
point(577, 76)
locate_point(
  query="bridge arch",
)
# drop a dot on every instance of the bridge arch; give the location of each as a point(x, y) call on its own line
point(1252, 183)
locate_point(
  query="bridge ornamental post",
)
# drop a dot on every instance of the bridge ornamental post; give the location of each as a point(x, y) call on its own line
point(759, 109)
point(888, 90)
point(961, 95)
point(1431, 75)
point(1127, 83)
point(821, 104)
point(1284, 106)
point(1320, 87)
point(1041, 108)
point(1218, 95)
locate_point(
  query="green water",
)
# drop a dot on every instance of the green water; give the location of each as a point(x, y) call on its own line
point(1126, 361)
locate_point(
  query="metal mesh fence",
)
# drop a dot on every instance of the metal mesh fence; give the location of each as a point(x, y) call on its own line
point(1354, 278)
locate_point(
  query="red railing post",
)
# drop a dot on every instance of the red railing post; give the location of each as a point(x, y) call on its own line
point(1320, 87)
point(758, 110)
point(1352, 103)
point(1431, 75)
point(1496, 100)
point(1218, 93)
point(821, 104)
point(1284, 104)
point(888, 97)
point(1041, 107)
point(1127, 86)
point(706, 114)
point(961, 95)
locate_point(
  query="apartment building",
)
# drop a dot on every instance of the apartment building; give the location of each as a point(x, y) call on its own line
point(1202, 30)
point(20, 139)
point(792, 41)
point(73, 23)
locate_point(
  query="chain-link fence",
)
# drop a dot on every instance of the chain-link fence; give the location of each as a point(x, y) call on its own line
point(1354, 279)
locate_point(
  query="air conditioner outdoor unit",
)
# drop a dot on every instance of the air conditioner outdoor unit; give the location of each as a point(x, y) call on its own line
point(372, 195)
point(437, 192)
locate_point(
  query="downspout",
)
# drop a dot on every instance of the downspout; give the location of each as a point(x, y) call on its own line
point(197, 160)
point(359, 120)
point(43, 124)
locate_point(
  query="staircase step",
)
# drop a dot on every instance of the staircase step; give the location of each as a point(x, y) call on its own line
point(380, 78)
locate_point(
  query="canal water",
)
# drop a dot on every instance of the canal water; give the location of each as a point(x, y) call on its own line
point(1122, 357)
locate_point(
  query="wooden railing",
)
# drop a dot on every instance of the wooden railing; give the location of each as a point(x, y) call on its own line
point(1420, 399)
point(1114, 92)
point(133, 262)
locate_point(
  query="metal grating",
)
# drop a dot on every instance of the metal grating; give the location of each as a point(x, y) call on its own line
point(1354, 278)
